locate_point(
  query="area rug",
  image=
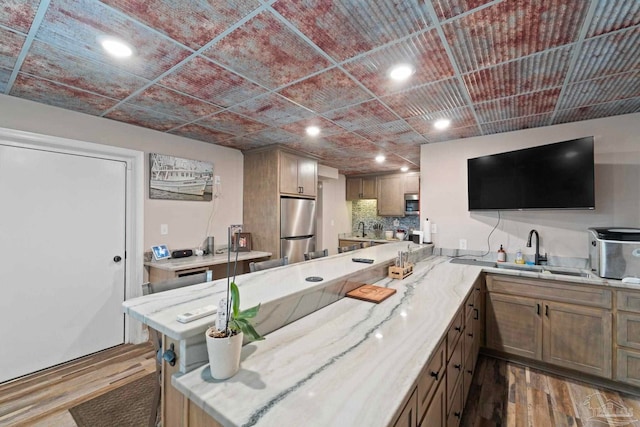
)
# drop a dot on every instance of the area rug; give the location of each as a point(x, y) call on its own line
point(126, 406)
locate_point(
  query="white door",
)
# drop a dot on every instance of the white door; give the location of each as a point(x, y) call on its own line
point(62, 229)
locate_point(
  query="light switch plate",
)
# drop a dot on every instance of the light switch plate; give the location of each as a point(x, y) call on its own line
point(164, 229)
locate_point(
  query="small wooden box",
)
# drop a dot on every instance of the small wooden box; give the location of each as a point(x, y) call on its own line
point(400, 272)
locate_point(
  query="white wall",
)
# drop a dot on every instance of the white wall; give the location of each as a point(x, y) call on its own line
point(335, 212)
point(187, 220)
point(563, 233)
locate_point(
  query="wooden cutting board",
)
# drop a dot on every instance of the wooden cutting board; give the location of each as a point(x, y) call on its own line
point(371, 293)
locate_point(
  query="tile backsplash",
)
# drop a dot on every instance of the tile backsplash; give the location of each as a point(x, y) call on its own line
point(366, 211)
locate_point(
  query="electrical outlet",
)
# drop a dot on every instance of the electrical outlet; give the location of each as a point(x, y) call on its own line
point(434, 228)
point(396, 222)
point(164, 229)
point(217, 179)
point(463, 244)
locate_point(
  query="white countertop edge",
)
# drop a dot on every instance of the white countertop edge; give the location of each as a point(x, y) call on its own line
point(175, 264)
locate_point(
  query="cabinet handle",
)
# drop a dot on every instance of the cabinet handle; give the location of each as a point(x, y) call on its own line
point(471, 335)
point(471, 305)
point(458, 328)
point(458, 367)
point(457, 414)
point(477, 314)
point(546, 310)
point(538, 309)
point(435, 375)
point(469, 371)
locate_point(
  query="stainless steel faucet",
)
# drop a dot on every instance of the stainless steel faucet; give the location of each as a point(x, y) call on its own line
point(363, 233)
point(537, 258)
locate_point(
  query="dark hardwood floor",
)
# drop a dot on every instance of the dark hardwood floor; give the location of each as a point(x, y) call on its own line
point(508, 394)
point(44, 398)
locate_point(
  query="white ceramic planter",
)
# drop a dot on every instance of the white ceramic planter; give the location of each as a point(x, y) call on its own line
point(224, 355)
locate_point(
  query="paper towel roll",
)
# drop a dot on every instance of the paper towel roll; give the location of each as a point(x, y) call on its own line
point(426, 237)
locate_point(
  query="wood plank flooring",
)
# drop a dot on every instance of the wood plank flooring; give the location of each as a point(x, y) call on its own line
point(508, 394)
point(44, 398)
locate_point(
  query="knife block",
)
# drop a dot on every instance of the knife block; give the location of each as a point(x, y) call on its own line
point(400, 272)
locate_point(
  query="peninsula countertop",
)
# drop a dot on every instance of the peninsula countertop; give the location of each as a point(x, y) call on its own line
point(351, 363)
point(176, 264)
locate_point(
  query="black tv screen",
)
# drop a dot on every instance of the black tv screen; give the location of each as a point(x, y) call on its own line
point(553, 176)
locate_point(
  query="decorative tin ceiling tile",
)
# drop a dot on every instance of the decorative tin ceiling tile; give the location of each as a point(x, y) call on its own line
point(611, 15)
point(496, 34)
point(56, 65)
point(608, 54)
point(207, 81)
point(450, 134)
point(192, 23)
point(460, 117)
point(530, 74)
point(47, 92)
point(327, 91)
point(18, 14)
point(76, 26)
point(5, 75)
point(614, 108)
point(242, 143)
point(10, 47)
point(601, 90)
point(346, 28)
point(273, 136)
point(272, 109)
point(424, 52)
point(398, 131)
point(368, 113)
point(267, 52)
point(352, 144)
point(430, 98)
point(200, 133)
point(232, 123)
point(172, 103)
point(446, 9)
point(516, 124)
point(144, 118)
point(531, 104)
point(300, 127)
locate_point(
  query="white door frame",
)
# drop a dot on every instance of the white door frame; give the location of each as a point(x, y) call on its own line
point(134, 238)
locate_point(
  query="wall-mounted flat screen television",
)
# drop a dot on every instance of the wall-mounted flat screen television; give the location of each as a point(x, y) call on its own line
point(552, 176)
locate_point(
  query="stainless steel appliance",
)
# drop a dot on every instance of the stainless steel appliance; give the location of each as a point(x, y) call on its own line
point(411, 204)
point(614, 253)
point(297, 228)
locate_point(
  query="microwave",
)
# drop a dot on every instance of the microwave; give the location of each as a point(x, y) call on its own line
point(411, 204)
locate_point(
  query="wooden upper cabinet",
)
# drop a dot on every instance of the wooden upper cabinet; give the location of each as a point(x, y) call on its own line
point(391, 195)
point(298, 175)
point(362, 188)
point(412, 182)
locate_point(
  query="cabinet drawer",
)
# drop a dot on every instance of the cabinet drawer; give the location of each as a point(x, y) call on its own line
point(455, 414)
point(469, 304)
point(454, 332)
point(552, 290)
point(628, 367)
point(432, 375)
point(628, 330)
point(467, 375)
point(628, 301)
point(454, 371)
point(407, 417)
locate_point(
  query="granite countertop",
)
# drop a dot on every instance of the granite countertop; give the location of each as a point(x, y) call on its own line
point(175, 264)
point(370, 238)
point(350, 363)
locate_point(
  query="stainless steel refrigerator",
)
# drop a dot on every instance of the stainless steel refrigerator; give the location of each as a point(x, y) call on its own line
point(297, 228)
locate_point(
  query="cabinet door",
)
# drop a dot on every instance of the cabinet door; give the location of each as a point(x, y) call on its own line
point(307, 176)
point(412, 183)
point(369, 187)
point(628, 367)
point(436, 414)
point(430, 379)
point(514, 325)
point(407, 417)
point(289, 174)
point(628, 330)
point(578, 337)
point(391, 195)
point(354, 188)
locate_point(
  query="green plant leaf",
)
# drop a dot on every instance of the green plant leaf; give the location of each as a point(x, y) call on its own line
point(249, 313)
point(252, 333)
point(235, 299)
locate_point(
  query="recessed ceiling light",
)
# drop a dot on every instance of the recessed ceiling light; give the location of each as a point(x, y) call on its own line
point(442, 124)
point(380, 158)
point(401, 72)
point(116, 48)
point(313, 131)
point(404, 169)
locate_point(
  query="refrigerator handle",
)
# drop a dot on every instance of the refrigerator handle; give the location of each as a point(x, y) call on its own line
point(297, 237)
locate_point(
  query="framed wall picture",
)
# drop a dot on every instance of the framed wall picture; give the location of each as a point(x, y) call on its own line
point(175, 178)
point(243, 244)
point(160, 252)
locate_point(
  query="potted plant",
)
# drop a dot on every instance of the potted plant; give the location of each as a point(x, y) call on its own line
point(224, 341)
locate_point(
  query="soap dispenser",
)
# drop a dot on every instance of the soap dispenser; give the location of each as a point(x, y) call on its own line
point(502, 255)
point(519, 257)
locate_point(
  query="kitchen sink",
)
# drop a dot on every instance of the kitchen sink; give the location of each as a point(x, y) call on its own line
point(566, 273)
point(544, 269)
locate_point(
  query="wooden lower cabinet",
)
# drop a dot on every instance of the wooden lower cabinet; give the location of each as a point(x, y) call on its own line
point(408, 416)
point(455, 413)
point(628, 337)
point(577, 337)
point(436, 412)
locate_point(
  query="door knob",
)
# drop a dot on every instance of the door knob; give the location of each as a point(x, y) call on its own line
point(117, 258)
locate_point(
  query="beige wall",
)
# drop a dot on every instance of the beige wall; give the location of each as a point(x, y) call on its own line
point(563, 233)
point(335, 213)
point(187, 221)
